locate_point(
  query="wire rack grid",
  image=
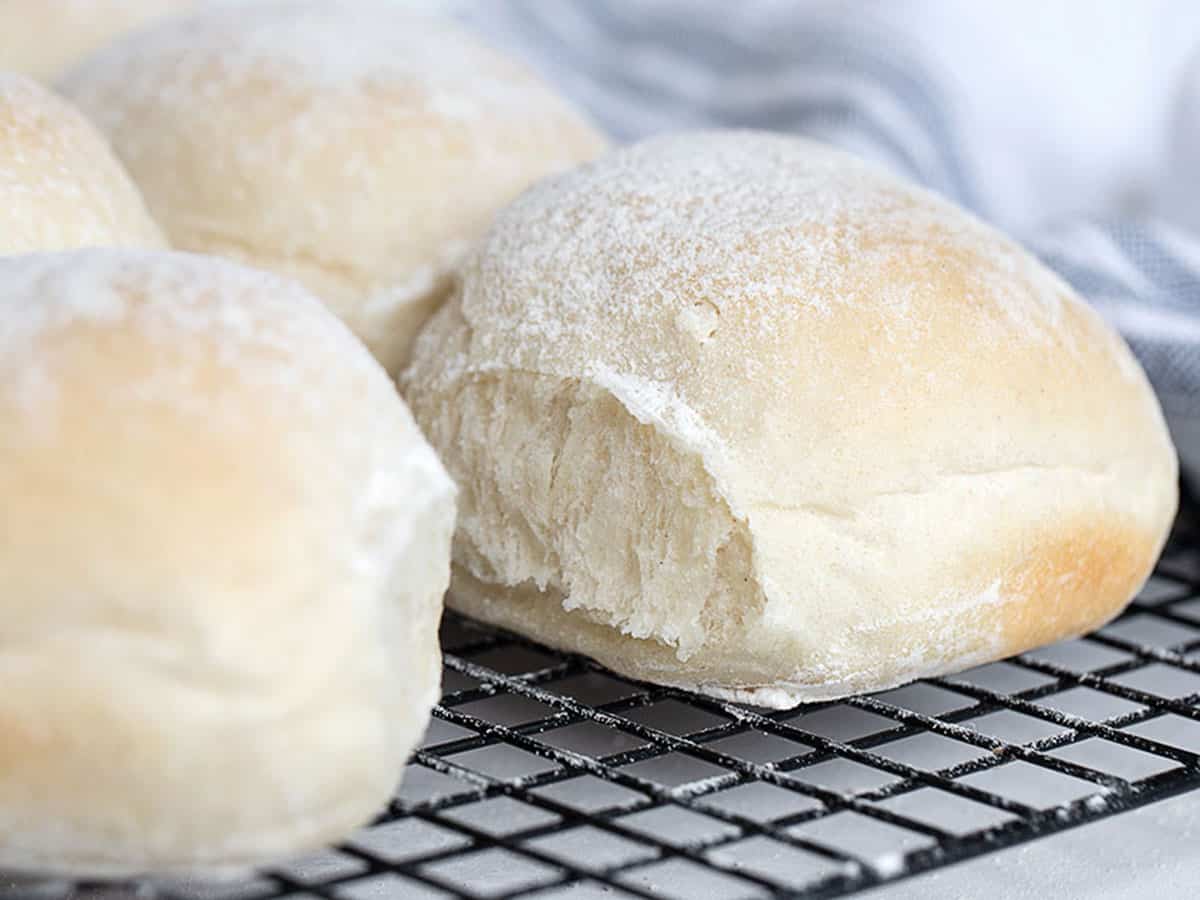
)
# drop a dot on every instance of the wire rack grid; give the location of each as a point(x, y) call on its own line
point(543, 775)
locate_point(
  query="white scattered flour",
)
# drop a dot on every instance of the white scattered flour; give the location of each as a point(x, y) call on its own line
point(725, 219)
point(195, 315)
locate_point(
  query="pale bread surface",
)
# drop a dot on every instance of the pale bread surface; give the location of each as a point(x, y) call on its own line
point(739, 413)
point(225, 546)
point(357, 146)
point(61, 187)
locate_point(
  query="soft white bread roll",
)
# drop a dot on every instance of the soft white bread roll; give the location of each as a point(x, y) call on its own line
point(44, 37)
point(738, 413)
point(356, 146)
point(224, 550)
point(60, 185)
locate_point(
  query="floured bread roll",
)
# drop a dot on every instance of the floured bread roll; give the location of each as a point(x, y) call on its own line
point(60, 185)
point(355, 146)
point(738, 413)
point(224, 550)
point(44, 37)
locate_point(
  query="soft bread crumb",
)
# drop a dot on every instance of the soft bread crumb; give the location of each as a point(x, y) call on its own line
point(592, 505)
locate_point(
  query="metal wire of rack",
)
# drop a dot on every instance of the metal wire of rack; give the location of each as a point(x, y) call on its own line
point(543, 775)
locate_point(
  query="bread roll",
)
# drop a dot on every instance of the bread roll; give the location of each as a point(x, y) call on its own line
point(355, 146)
point(224, 549)
point(738, 413)
point(60, 185)
point(43, 37)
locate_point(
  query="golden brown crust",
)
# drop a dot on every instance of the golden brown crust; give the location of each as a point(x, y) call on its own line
point(1072, 579)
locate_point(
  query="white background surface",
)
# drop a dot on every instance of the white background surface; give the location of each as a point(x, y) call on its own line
point(1152, 852)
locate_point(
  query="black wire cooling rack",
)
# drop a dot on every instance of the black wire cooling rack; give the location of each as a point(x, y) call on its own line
point(543, 775)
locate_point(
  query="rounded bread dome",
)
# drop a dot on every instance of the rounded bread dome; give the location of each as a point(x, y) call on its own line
point(357, 146)
point(737, 412)
point(225, 548)
point(61, 187)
